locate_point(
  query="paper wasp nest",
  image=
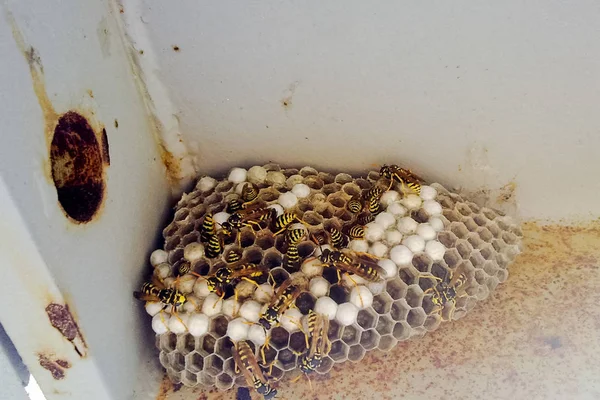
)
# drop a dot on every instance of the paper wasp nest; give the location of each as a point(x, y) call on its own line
point(479, 242)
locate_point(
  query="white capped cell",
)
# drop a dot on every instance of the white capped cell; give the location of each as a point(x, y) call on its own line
point(278, 208)
point(240, 187)
point(352, 280)
point(385, 220)
point(428, 193)
point(257, 334)
point(168, 282)
point(432, 207)
point(250, 310)
point(301, 190)
point(193, 251)
point(346, 314)
point(323, 247)
point(201, 288)
point(153, 307)
point(178, 323)
point(231, 308)
point(312, 267)
point(221, 217)
point(263, 293)
point(378, 249)
point(407, 225)
point(401, 255)
point(206, 183)
point(275, 178)
point(193, 304)
point(160, 323)
point(198, 324)
point(237, 329)
point(291, 320)
point(392, 237)
point(376, 287)
point(389, 197)
point(396, 209)
point(362, 246)
point(186, 283)
point(256, 174)
point(373, 232)
point(361, 297)
point(212, 305)
point(388, 268)
point(415, 243)
point(287, 200)
point(435, 250)
point(158, 257)
point(327, 306)
point(319, 286)
point(237, 175)
point(426, 231)
point(411, 201)
point(162, 271)
point(436, 223)
point(245, 289)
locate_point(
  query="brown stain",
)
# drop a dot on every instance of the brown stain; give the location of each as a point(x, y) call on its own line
point(176, 48)
point(56, 367)
point(171, 163)
point(535, 337)
point(90, 93)
point(105, 148)
point(116, 123)
point(286, 101)
point(62, 319)
point(507, 192)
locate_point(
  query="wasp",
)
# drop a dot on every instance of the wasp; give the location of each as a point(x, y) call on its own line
point(156, 291)
point(364, 266)
point(233, 257)
point(295, 235)
point(445, 291)
point(249, 192)
point(356, 232)
point(214, 248)
point(227, 275)
point(364, 218)
point(338, 239)
point(404, 176)
point(284, 297)
point(251, 218)
point(318, 345)
point(208, 227)
point(372, 197)
point(246, 362)
point(285, 220)
point(355, 204)
point(234, 205)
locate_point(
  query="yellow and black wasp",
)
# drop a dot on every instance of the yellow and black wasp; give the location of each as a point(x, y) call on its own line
point(251, 217)
point(284, 297)
point(228, 275)
point(404, 176)
point(355, 204)
point(337, 238)
point(284, 221)
point(292, 238)
point(356, 232)
point(362, 265)
point(446, 291)
point(246, 362)
point(319, 344)
point(364, 218)
point(157, 292)
point(249, 192)
point(208, 228)
point(214, 247)
point(372, 197)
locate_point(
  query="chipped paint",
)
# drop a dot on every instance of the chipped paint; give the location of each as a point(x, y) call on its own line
point(61, 318)
point(56, 367)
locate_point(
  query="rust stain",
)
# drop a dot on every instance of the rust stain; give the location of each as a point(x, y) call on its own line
point(56, 367)
point(61, 318)
point(176, 48)
point(105, 148)
point(171, 163)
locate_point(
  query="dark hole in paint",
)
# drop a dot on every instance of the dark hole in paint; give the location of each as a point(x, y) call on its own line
point(76, 158)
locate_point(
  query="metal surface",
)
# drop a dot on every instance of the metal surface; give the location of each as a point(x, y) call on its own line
point(535, 338)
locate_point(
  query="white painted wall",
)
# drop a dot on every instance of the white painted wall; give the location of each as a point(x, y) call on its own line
point(472, 94)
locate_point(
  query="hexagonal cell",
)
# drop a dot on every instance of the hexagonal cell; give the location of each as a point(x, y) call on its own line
point(279, 338)
point(201, 267)
point(502, 275)
point(339, 294)
point(181, 214)
point(339, 351)
point(164, 359)
point(194, 362)
point(459, 229)
point(331, 275)
point(428, 306)
point(176, 254)
point(268, 194)
point(438, 269)
point(369, 339)
point(305, 302)
point(464, 249)
point(168, 342)
point(312, 218)
point(286, 359)
point(206, 379)
point(313, 182)
point(396, 288)
point(351, 189)
point(448, 239)
point(186, 344)
point(207, 343)
point(477, 259)
point(276, 373)
point(366, 318)
point(490, 268)
point(464, 209)
point(177, 361)
point(335, 330)
point(265, 240)
point(401, 331)
point(399, 310)
point(224, 347)
point(495, 230)
point(327, 177)
point(387, 342)
point(218, 325)
point(480, 219)
point(174, 376)
point(414, 296)
point(325, 366)
point(350, 335)
point(224, 381)
point(470, 224)
point(445, 201)
point(305, 205)
point(451, 215)
point(356, 353)
point(452, 257)
point(213, 199)
point(213, 365)
point(408, 274)
point(189, 378)
point(474, 240)
point(385, 325)
point(416, 317)
point(432, 322)
point(297, 342)
point(306, 248)
point(169, 231)
point(270, 354)
point(382, 303)
point(480, 276)
point(332, 188)
point(279, 275)
point(422, 262)
point(253, 254)
point(363, 183)
point(344, 215)
point(509, 238)
point(272, 259)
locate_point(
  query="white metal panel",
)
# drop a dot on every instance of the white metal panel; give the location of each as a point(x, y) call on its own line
point(467, 93)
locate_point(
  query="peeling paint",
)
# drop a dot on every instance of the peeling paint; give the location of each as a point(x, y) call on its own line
point(61, 318)
point(56, 367)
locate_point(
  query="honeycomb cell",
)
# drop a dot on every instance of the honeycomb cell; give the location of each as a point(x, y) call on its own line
point(480, 276)
point(297, 342)
point(198, 211)
point(480, 219)
point(265, 240)
point(464, 209)
point(339, 351)
point(177, 361)
point(194, 362)
point(331, 275)
point(169, 231)
point(332, 188)
point(201, 267)
point(286, 359)
point(369, 339)
point(385, 325)
point(312, 218)
point(272, 259)
point(350, 335)
point(213, 365)
point(401, 331)
point(446, 202)
point(448, 239)
point(313, 182)
point(213, 199)
point(493, 228)
point(305, 205)
point(408, 274)
point(416, 317)
point(306, 302)
point(459, 229)
point(325, 210)
point(206, 379)
point(464, 249)
point(363, 183)
point(279, 338)
point(189, 236)
point(207, 343)
point(474, 240)
point(339, 294)
point(180, 215)
point(176, 254)
point(399, 310)
point(396, 288)
point(224, 347)
point(356, 353)
point(326, 365)
point(414, 296)
point(224, 381)
point(344, 215)
point(308, 171)
point(382, 303)
point(432, 322)
point(185, 344)
point(218, 325)
point(326, 177)
point(189, 378)
point(452, 215)
point(470, 224)
point(306, 248)
point(270, 354)
point(476, 258)
point(490, 268)
point(509, 238)
point(168, 342)
point(367, 318)
point(351, 189)
point(335, 330)
point(452, 257)
point(337, 200)
point(422, 262)
point(253, 254)
point(268, 195)
point(502, 275)
point(279, 275)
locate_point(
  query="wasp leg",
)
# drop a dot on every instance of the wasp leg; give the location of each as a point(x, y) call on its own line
point(359, 295)
point(262, 349)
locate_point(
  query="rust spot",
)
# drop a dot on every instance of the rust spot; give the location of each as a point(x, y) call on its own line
point(62, 319)
point(176, 48)
point(56, 368)
point(116, 123)
point(77, 171)
point(105, 152)
point(170, 162)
